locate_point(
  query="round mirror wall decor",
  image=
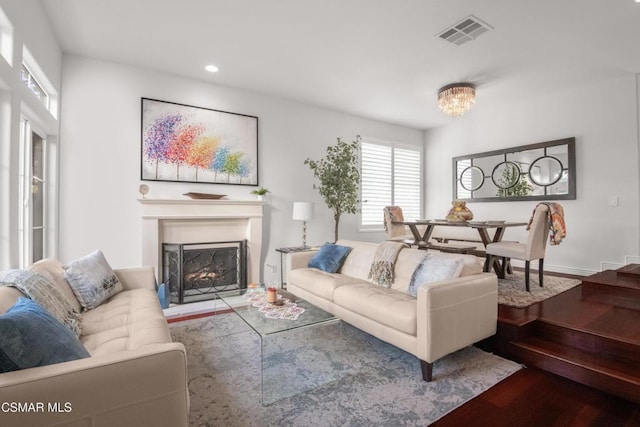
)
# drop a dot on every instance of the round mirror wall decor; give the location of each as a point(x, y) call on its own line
point(545, 171)
point(505, 175)
point(472, 178)
point(541, 171)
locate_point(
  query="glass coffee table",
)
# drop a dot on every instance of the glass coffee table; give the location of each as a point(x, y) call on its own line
point(291, 350)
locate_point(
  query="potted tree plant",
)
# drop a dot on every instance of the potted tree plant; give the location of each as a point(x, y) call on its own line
point(260, 193)
point(339, 178)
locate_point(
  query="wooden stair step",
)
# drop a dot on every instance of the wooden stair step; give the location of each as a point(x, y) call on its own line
point(613, 278)
point(590, 360)
point(619, 287)
point(589, 368)
point(630, 270)
point(619, 296)
point(604, 344)
point(589, 334)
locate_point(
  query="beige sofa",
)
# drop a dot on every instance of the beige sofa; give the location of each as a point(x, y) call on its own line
point(445, 316)
point(135, 376)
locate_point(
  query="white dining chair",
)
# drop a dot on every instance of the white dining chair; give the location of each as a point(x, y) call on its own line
point(530, 251)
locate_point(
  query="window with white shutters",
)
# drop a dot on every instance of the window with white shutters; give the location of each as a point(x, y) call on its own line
point(391, 174)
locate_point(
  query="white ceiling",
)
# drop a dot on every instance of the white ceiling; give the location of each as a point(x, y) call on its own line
point(374, 58)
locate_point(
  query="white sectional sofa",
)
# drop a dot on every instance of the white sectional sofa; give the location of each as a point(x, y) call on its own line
point(446, 316)
point(135, 375)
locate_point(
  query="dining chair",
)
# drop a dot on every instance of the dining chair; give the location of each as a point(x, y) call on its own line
point(532, 250)
point(396, 232)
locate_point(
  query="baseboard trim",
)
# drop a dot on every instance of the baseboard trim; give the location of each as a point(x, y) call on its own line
point(557, 269)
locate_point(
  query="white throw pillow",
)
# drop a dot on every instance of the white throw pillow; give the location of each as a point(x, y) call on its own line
point(434, 268)
point(92, 280)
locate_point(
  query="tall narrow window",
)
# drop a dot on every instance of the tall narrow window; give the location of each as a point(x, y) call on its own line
point(33, 189)
point(390, 175)
point(36, 80)
point(6, 38)
point(34, 86)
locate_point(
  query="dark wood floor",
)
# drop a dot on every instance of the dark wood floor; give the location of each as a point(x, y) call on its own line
point(533, 397)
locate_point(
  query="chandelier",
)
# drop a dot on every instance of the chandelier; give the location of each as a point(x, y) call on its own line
point(457, 98)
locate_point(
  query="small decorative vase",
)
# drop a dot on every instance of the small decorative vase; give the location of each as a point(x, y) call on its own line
point(260, 197)
point(459, 212)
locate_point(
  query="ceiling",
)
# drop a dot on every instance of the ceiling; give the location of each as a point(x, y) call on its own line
point(379, 59)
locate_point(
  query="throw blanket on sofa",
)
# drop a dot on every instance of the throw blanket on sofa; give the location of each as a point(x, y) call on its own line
point(381, 272)
point(555, 216)
point(42, 291)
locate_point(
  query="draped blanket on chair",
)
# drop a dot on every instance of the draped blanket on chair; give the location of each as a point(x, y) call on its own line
point(395, 214)
point(381, 272)
point(557, 227)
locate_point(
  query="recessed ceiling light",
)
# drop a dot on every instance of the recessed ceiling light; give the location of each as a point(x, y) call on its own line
point(212, 68)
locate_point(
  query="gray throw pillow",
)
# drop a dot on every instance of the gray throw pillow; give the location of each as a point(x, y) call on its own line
point(434, 268)
point(92, 280)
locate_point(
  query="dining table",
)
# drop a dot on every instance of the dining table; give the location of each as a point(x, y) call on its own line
point(421, 240)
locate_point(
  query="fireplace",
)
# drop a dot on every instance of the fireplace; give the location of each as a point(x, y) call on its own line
point(196, 271)
point(192, 221)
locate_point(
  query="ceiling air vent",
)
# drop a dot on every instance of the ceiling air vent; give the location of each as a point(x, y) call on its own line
point(466, 30)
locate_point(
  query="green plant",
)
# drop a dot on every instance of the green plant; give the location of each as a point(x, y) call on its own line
point(522, 188)
point(339, 178)
point(260, 191)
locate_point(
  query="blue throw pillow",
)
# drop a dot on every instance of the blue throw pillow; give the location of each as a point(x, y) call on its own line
point(330, 257)
point(164, 295)
point(30, 337)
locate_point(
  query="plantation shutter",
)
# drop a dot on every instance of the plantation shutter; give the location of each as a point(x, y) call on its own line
point(389, 176)
point(465, 181)
point(406, 182)
point(375, 182)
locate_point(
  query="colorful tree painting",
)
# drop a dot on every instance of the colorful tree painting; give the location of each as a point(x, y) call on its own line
point(191, 144)
point(181, 145)
point(201, 153)
point(232, 164)
point(219, 160)
point(159, 137)
point(243, 169)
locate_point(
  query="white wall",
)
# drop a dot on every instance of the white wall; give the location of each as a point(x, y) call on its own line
point(100, 158)
point(604, 119)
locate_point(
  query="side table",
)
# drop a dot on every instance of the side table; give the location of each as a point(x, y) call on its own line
point(292, 249)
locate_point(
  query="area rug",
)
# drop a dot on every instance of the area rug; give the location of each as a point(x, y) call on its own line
point(512, 290)
point(381, 385)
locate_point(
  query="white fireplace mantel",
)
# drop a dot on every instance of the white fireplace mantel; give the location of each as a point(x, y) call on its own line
point(199, 221)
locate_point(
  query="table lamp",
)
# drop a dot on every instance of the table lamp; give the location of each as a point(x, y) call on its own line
point(303, 211)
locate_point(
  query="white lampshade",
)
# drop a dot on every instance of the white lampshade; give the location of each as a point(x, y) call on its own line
point(302, 211)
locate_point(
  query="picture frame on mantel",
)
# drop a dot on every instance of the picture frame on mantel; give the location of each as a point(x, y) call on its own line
point(183, 143)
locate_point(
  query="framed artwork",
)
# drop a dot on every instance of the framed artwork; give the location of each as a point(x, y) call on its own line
point(182, 143)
